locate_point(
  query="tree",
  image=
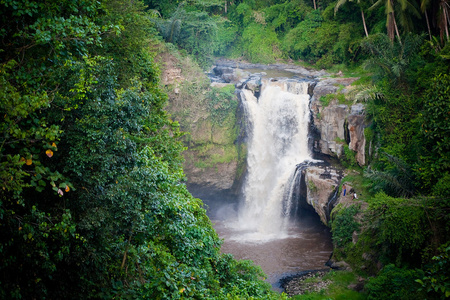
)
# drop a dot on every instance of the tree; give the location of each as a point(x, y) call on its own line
point(193, 30)
point(423, 7)
point(443, 19)
point(400, 7)
point(342, 2)
point(40, 40)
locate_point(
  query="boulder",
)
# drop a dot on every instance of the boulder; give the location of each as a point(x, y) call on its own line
point(337, 124)
point(332, 129)
point(321, 185)
point(230, 74)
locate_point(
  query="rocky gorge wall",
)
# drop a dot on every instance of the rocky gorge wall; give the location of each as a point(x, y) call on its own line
point(335, 127)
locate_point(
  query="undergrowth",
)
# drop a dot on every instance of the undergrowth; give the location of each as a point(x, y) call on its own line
point(337, 290)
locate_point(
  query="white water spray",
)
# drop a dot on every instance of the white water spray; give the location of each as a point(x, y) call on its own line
point(278, 141)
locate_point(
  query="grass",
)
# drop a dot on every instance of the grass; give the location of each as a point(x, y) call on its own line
point(359, 183)
point(337, 290)
point(215, 154)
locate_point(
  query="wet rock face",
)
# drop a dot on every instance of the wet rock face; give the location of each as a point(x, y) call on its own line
point(356, 124)
point(332, 129)
point(321, 184)
point(217, 178)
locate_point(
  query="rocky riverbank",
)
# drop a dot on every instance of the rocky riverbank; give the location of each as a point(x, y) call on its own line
point(305, 282)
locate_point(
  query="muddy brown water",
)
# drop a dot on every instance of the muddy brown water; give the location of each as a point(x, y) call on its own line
point(306, 246)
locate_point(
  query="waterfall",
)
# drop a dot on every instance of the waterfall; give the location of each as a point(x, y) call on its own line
point(293, 194)
point(278, 142)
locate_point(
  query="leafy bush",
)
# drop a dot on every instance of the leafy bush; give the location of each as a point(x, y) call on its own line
point(192, 30)
point(287, 15)
point(394, 283)
point(435, 130)
point(316, 41)
point(298, 41)
point(343, 224)
point(401, 226)
point(96, 209)
point(442, 188)
point(396, 181)
point(227, 37)
point(436, 283)
point(349, 156)
point(259, 44)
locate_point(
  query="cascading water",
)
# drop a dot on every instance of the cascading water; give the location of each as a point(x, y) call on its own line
point(277, 121)
point(278, 142)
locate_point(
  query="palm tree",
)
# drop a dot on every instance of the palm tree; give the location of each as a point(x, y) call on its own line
point(444, 19)
point(401, 6)
point(423, 7)
point(342, 2)
point(390, 21)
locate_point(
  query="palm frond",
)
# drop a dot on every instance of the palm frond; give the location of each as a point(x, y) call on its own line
point(397, 181)
point(365, 93)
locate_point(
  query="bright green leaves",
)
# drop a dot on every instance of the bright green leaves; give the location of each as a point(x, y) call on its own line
point(343, 224)
point(436, 281)
point(92, 202)
point(260, 43)
point(320, 42)
point(25, 133)
point(13, 103)
point(193, 30)
point(402, 225)
point(394, 283)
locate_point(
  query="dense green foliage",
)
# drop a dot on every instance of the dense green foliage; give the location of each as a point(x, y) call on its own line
point(436, 280)
point(322, 33)
point(394, 283)
point(92, 203)
point(343, 225)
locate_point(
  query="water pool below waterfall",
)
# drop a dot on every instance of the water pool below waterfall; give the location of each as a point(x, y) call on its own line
point(306, 246)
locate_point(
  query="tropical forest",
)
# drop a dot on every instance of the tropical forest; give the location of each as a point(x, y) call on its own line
point(131, 130)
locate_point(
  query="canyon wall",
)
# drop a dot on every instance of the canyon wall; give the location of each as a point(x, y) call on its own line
point(337, 129)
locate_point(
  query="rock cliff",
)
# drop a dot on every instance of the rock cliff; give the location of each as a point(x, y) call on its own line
point(335, 125)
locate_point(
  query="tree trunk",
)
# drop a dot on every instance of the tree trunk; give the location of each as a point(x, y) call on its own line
point(443, 20)
point(447, 20)
point(314, 1)
point(364, 22)
point(428, 24)
point(390, 27)
point(396, 29)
